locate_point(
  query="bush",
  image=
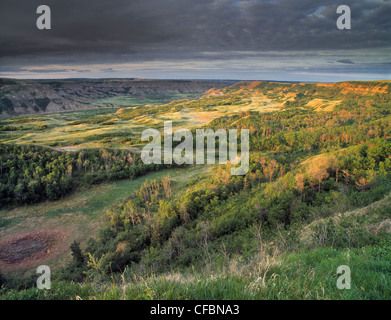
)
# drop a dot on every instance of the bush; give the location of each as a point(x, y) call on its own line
point(2, 279)
point(41, 127)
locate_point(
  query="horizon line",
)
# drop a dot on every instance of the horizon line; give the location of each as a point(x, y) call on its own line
point(186, 79)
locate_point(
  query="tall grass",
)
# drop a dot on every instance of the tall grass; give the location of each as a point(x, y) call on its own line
point(301, 275)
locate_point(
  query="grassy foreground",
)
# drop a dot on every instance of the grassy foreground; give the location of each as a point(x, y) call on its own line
point(302, 275)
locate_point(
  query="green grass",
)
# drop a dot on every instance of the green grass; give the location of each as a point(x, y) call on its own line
point(95, 200)
point(302, 275)
point(86, 129)
point(8, 223)
point(82, 213)
point(149, 99)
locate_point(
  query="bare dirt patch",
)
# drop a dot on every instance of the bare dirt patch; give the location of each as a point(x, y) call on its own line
point(64, 149)
point(29, 247)
point(323, 105)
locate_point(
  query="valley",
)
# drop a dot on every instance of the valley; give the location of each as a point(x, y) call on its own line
point(29, 97)
point(317, 194)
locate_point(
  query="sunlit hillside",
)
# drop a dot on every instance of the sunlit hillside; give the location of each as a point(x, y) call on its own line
point(75, 196)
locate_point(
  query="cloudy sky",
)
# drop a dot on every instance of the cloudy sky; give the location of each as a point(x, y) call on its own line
point(196, 39)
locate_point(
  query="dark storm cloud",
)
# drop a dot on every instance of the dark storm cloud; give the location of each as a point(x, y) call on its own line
point(43, 70)
point(144, 29)
point(346, 61)
point(47, 70)
point(242, 39)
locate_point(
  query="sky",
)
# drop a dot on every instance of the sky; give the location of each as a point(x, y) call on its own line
point(286, 40)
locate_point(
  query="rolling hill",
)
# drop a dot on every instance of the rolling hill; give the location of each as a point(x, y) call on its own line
point(28, 97)
point(316, 196)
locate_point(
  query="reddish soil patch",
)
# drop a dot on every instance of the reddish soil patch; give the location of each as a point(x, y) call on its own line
point(32, 246)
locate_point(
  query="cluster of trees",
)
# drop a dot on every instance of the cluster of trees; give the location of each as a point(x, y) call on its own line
point(97, 120)
point(304, 130)
point(164, 227)
point(31, 174)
